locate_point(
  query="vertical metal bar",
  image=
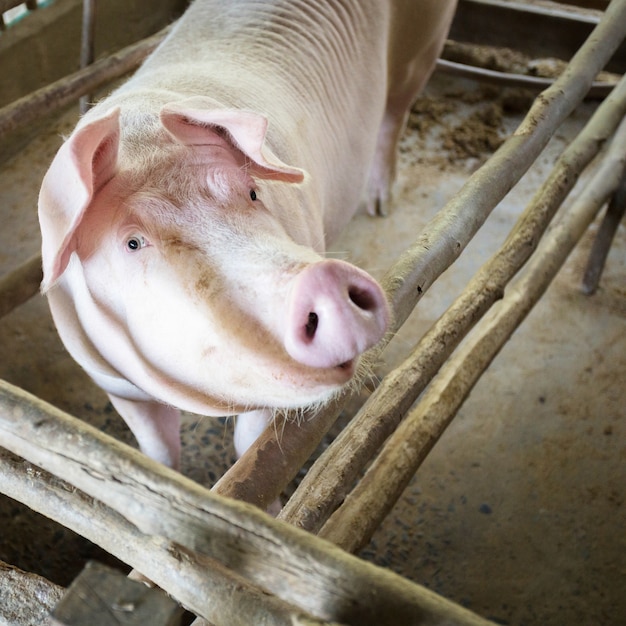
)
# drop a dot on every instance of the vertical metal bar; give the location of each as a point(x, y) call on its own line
point(87, 45)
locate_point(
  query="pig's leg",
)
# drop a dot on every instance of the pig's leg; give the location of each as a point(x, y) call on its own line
point(156, 427)
point(383, 169)
point(248, 427)
point(398, 107)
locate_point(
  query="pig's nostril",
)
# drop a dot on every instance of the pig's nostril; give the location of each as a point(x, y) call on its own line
point(311, 325)
point(362, 298)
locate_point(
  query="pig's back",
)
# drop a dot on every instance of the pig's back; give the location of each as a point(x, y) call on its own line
point(315, 69)
point(317, 50)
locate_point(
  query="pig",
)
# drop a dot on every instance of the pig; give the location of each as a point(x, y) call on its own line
point(185, 220)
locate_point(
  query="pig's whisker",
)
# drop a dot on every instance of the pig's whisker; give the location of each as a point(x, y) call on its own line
point(338, 254)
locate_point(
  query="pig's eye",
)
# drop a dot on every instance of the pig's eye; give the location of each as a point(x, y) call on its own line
point(135, 242)
point(252, 195)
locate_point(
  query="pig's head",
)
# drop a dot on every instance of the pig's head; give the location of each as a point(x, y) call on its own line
point(170, 261)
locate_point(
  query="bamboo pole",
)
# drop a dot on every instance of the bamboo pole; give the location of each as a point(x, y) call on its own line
point(268, 466)
point(353, 524)
point(330, 478)
point(297, 567)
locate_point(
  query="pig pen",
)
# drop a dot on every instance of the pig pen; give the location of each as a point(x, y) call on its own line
point(517, 513)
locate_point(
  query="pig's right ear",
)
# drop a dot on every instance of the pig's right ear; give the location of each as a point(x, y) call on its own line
point(195, 121)
point(82, 166)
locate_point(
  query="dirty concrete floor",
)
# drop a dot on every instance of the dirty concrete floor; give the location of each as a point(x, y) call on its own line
point(518, 513)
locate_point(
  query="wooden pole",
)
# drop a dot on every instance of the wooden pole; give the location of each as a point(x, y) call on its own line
point(199, 583)
point(155, 507)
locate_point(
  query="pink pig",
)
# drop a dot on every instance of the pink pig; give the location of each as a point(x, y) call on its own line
point(184, 221)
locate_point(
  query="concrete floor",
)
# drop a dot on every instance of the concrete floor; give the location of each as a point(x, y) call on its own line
point(518, 513)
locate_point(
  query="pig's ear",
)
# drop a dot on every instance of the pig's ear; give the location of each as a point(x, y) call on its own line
point(194, 122)
point(83, 164)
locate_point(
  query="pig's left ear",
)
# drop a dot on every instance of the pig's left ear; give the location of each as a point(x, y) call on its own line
point(81, 167)
point(194, 122)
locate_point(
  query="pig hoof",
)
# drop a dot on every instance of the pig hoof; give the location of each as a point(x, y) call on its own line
point(377, 204)
point(275, 508)
point(379, 208)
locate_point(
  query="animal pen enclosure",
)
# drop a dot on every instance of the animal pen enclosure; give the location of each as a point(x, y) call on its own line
point(520, 515)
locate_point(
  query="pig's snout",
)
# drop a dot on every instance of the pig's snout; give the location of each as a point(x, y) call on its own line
point(334, 313)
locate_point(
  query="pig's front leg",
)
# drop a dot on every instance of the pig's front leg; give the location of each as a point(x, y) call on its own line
point(248, 427)
point(156, 427)
point(383, 169)
point(408, 81)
